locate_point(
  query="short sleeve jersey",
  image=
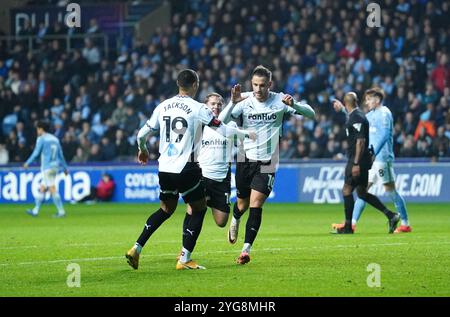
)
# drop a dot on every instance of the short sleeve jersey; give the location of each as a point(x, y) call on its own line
point(179, 121)
point(265, 119)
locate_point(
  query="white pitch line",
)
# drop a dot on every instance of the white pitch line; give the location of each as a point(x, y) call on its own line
point(20, 247)
point(229, 251)
point(69, 245)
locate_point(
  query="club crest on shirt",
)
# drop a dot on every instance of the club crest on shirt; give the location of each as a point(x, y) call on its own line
point(172, 150)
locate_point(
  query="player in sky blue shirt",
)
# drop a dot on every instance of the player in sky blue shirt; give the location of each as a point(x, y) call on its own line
point(381, 131)
point(48, 149)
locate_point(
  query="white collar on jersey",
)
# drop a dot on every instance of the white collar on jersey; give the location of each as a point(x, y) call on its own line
point(269, 95)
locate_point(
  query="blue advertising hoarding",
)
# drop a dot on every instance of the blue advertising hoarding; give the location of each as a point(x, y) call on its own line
point(316, 183)
point(416, 182)
point(134, 183)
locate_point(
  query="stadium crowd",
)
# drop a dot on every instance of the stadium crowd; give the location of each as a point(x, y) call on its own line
point(317, 50)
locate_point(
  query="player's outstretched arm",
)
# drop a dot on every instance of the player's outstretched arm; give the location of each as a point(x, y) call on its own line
point(236, 97)
point(230, 130)
point(300, 107)
point(206, 117)
point(338, 106)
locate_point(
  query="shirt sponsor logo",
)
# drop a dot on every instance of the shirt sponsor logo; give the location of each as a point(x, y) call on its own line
point(215, 142)
point(262, 116)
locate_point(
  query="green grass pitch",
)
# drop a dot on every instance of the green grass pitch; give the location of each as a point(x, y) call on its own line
point(294, 254)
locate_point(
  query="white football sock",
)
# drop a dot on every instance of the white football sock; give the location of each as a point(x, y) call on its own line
point(138, 248)
point(247, 247)
point(185, 255)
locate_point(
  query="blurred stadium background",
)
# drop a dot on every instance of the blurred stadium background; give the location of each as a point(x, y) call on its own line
point(99, 83)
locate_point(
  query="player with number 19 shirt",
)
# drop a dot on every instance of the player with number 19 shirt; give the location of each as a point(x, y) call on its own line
point(179, 121)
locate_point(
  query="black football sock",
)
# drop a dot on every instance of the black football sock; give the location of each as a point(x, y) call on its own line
point(236, 213)
point(349, 204)
point(193, 228)
point(253, 224)
point(375, 202)
point(152, 224)
point(187, 218)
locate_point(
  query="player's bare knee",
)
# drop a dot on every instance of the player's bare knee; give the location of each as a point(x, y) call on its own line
point(169, 206)
point(198, 205)
point(221, 223)
point(257, 199)
point(389, 187)
point(169, 211)
point(220, 217)
point(243, 204)
point(347, 190)
point(52, 189)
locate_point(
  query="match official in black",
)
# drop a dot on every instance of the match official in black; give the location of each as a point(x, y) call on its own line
point(359, 163)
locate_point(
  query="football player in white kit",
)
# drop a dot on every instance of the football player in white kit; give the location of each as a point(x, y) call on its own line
point(263, 112)
point(179, 121)
point(216, 155)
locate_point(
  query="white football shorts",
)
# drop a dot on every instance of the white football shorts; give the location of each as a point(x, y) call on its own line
point(383, 172)
point(49, 177)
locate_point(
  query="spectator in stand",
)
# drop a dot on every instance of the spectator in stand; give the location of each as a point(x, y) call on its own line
point(287, 150)
point(132, 122)
point(441, 144)
point(95, 154)
point(69, 146)
point(80, 156)
point(92, 54)
point(408, 149)
point(441, 74)
point(103, 192)
point(123, 147)
point(108, 150)
point(23, 152)
point(93, 27)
